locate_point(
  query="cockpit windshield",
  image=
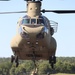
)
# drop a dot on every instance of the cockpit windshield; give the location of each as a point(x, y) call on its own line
point(33, 21)
point(26, 21)
point(29, 21)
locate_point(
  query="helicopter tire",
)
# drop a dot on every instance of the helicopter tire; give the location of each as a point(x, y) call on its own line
point(52, 59)
point(52, 65)
point(16, 61)
point(12, 58)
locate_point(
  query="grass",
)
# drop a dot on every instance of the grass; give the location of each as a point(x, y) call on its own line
point(58, 74)
point(62, 74)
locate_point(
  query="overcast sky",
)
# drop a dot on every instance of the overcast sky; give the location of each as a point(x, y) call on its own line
point(65, 35)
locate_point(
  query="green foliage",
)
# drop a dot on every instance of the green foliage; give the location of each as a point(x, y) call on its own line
point(29, 65)
point(5, 67)
point(12, 71)
point(63, 65)
point(44, 67)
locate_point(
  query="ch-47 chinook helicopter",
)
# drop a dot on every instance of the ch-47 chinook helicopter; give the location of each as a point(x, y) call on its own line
point(34, 40)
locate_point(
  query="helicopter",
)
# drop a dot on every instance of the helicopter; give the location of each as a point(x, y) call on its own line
point(34, 40)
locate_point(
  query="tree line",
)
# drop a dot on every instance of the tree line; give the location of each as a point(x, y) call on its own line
point(63, 65)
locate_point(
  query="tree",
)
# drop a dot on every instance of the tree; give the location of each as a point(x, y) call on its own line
point(4, 68)
point(20, 70)
point(44, 67)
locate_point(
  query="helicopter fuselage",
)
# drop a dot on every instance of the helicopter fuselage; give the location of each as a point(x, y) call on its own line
point(33, 37)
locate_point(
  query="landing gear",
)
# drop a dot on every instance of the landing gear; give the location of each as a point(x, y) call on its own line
point(52, 65)
point(12, 58)
point(52, 61)
point(34, 58)
point(35, 72)
point(17, 64)
point(15, 59)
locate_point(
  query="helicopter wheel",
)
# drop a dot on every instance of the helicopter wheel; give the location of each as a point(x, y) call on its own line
point(16, 61)
point(52, 61)
point(15, 58)
point(52, 65)
point(17, 64)
point(54, 58)
point(12, 58)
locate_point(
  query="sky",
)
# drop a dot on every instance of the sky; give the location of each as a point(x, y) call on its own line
point(65, 35)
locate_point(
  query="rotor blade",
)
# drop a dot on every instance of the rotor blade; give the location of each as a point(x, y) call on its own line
point(4, 0)
point(13, 12)
point(59, 11)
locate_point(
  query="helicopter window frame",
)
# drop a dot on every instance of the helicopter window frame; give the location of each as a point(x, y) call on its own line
point(33, 21)
point(24, 22)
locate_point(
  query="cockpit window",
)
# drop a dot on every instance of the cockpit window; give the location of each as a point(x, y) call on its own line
point(26, 21)
point(33, 21)
point(40, 21)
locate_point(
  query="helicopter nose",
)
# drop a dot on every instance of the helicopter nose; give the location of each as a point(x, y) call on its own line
point(35, 32)
point(43, 32)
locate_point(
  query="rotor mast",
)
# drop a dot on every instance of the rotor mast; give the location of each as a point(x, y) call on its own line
point(33, 8)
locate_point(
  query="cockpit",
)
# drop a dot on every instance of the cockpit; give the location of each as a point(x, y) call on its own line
point(28, 21)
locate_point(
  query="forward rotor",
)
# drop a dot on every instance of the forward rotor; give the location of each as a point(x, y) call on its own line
point(4, 0)
point(43, 11)
point(59, 11)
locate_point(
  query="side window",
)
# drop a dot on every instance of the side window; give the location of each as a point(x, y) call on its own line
point(40, 21)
